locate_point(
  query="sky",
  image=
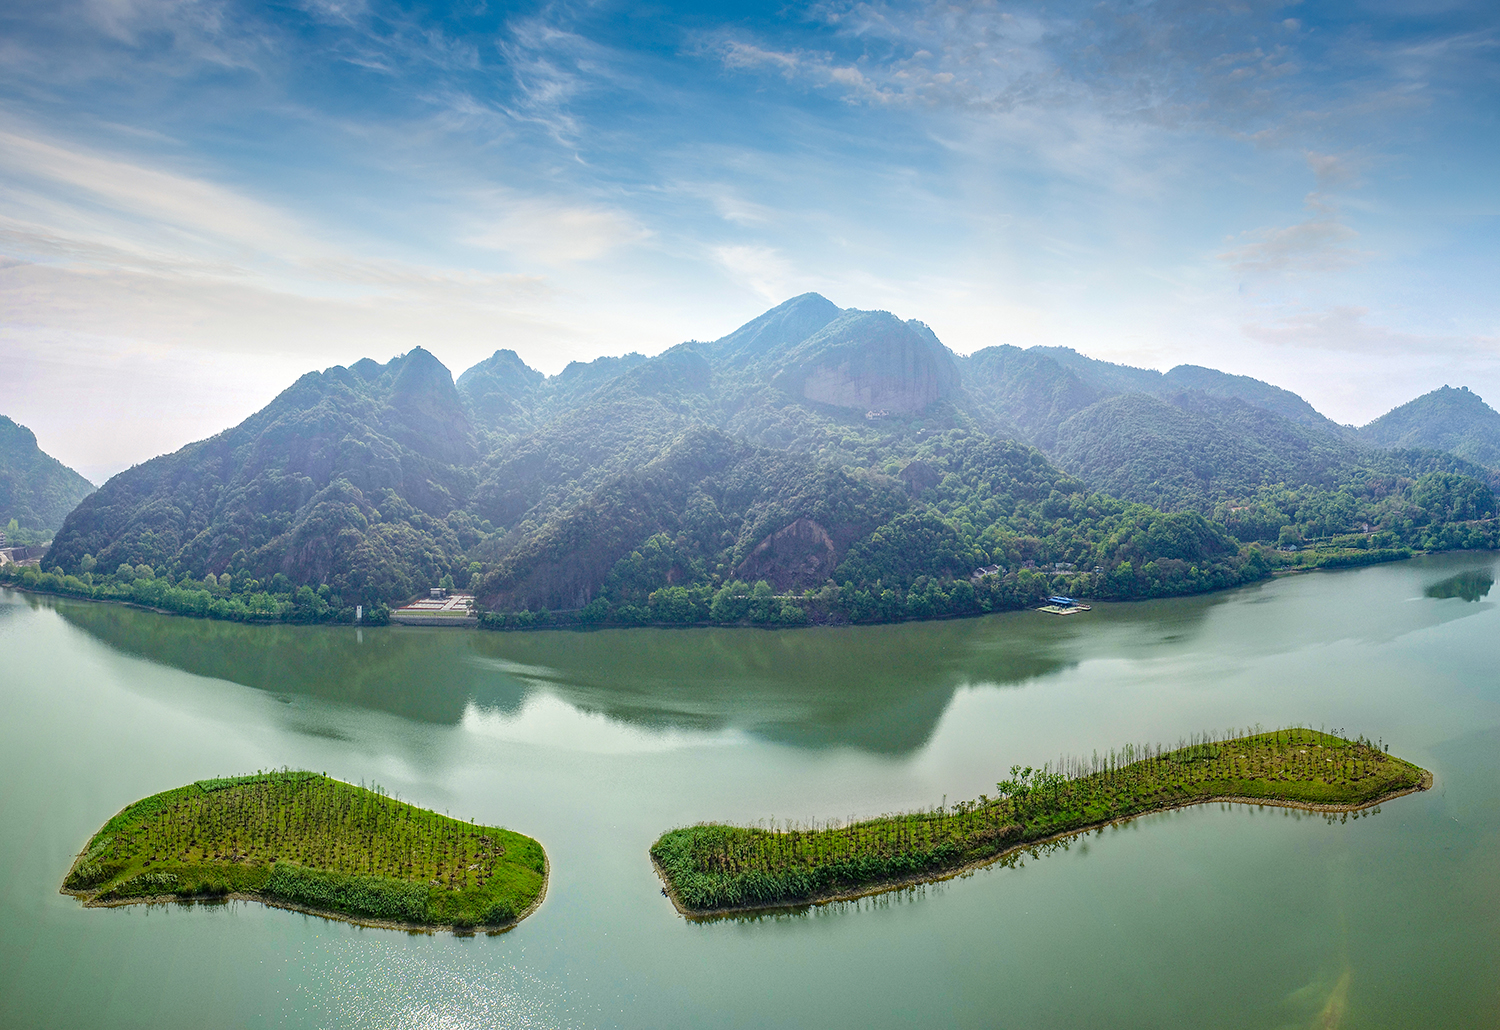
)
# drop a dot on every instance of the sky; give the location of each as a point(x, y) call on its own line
point(202, 199)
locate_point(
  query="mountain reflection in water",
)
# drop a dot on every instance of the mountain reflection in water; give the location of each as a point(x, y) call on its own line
point(876, 688)
point(1472, 585)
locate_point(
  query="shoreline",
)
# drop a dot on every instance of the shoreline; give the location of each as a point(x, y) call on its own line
point(18, 588)
point(951, 872)
point(271, 901)
point(473, 622)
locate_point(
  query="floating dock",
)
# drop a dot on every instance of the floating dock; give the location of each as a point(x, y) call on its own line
point(1060, 605)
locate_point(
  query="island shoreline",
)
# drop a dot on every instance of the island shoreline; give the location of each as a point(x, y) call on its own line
point(938, 876)
point(271, 901)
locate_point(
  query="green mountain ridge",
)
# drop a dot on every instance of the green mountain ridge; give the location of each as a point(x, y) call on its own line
point(36, 490)
point(349, 477)
point(815, 464)
point(1446, 419)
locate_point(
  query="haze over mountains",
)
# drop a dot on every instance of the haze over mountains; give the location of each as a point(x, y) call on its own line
point(814, 448)
point(36, 490)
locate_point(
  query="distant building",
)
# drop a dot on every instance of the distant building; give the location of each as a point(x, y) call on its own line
point(437, 593)
point(988, 570)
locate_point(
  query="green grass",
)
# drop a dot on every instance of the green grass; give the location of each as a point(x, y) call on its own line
point(716, 867)
point(306, 839)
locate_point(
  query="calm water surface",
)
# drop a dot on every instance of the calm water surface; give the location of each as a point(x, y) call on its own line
point(595, 743)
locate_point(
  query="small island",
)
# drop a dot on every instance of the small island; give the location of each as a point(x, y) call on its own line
point(714, 870)
point(305, 841)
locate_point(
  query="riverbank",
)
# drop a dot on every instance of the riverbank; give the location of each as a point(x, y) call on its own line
point(307, 842)
point(711, 870)
point(680, 607)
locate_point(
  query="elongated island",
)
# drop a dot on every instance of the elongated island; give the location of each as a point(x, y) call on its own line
point(304, 841)
point(712, 870)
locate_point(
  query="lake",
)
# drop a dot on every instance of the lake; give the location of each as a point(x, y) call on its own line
point(594, 743)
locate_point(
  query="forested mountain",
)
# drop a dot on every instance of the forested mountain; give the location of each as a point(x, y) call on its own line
point(815, 464)
point(1446, 419)
point(353, 478)
point(36, 490)
point(1194, 438)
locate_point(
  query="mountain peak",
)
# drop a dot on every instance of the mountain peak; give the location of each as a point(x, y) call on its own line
point(776, 331)
point(1448, 419)
point(1225, 385)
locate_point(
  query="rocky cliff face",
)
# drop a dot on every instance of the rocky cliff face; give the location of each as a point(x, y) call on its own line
point(801, 555)
point(871, 360)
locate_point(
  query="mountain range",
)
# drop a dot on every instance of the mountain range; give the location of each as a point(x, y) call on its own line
point(816, 463)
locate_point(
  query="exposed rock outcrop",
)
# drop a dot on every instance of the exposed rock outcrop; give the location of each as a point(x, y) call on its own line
point(871, 360)
point(798, 556)
point(919, 476)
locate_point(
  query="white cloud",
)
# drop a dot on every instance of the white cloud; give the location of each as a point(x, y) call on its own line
point(189, 205)
point(554, 231)
point(1346, 328)
point(739, 54)
point(758, 268)
point(1331, 169)
point(1320, 243)
point(1354, 369)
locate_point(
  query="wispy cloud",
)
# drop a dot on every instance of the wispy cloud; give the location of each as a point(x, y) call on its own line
point(350, 176)
point(183, 204)
point(1319, 243)
point(1322, 242)
point(758, 268)
point(1348, 329)
point(551, 230)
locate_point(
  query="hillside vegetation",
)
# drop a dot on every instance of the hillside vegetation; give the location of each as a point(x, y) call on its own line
point(36, 490)
point(817, 464)
point(1447, 419)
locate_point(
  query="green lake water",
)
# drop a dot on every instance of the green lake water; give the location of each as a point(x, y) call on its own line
point(1216, 916)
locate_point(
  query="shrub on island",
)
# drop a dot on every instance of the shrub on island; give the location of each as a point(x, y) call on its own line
point(717, 868)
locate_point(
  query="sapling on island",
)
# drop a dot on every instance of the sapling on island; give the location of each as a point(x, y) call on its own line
point(711, 869)
point(304, 840)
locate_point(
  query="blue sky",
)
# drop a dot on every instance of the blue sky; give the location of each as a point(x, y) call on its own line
point(200, 200)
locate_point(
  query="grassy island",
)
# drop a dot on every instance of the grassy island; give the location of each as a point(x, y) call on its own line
point(715, 869)
point(302, 840)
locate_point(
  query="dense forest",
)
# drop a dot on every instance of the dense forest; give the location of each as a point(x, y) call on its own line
point(1447, 419)
point(817, 464)
point(36, 490)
